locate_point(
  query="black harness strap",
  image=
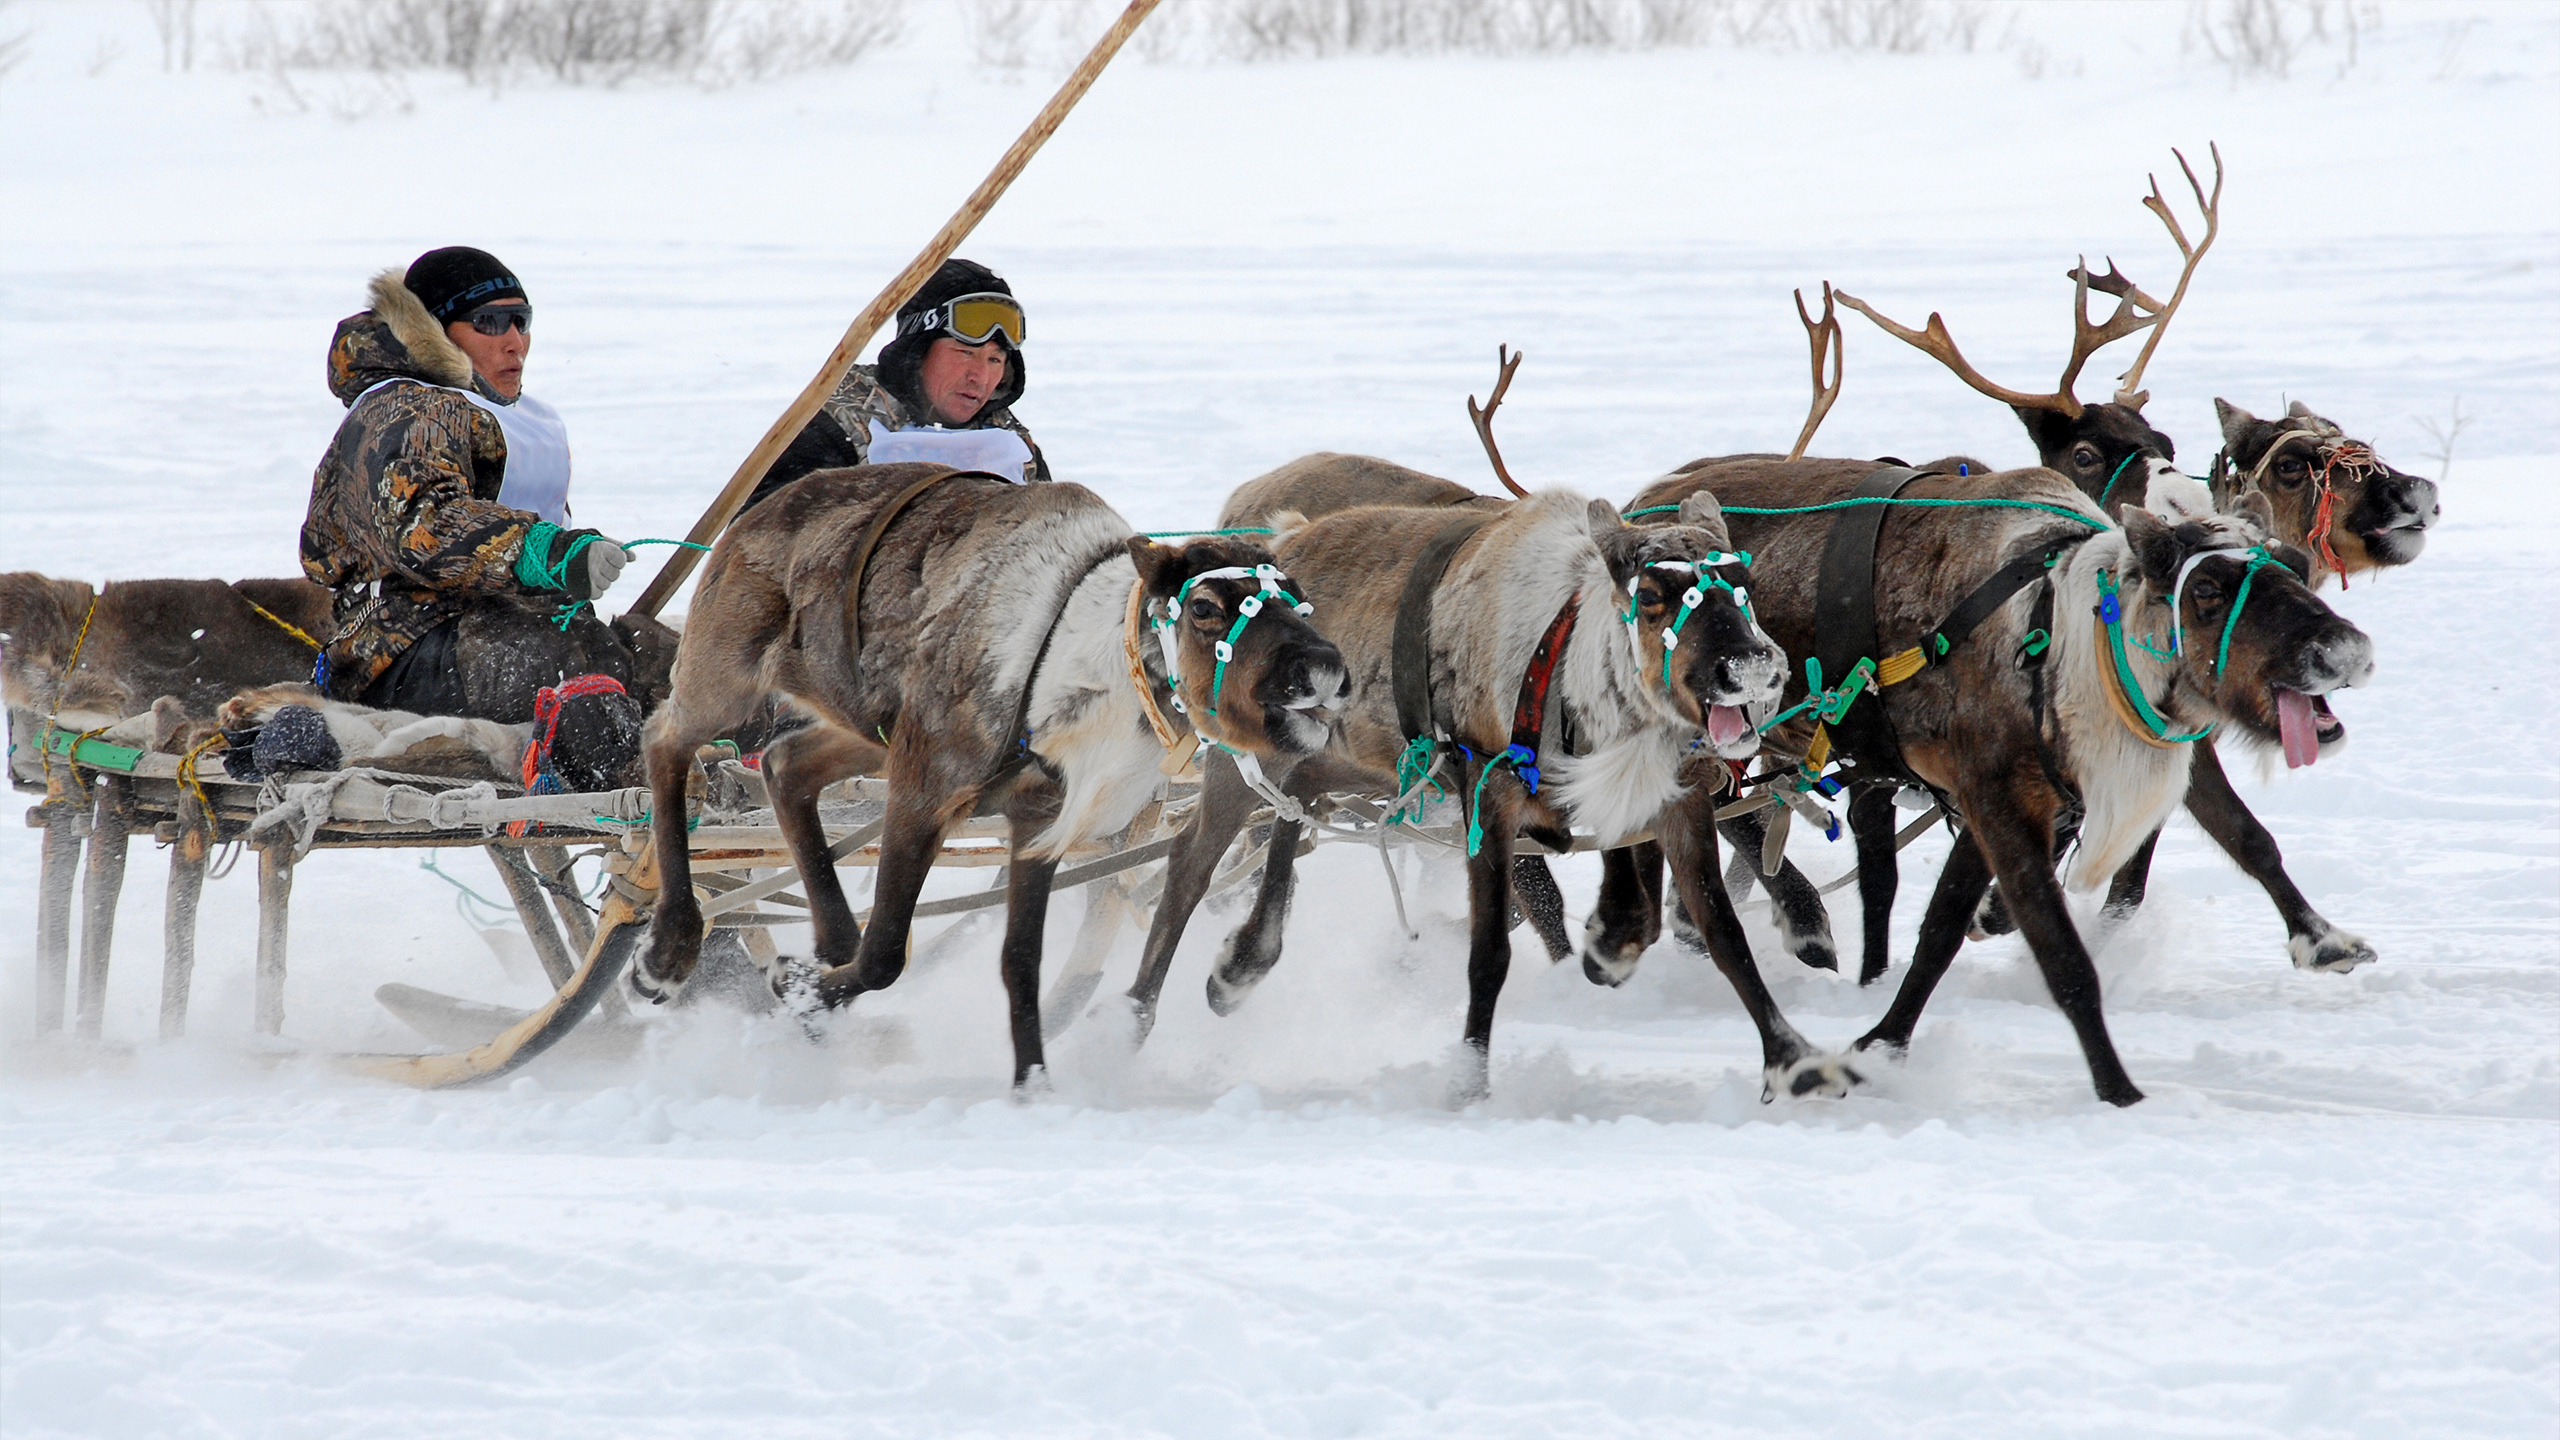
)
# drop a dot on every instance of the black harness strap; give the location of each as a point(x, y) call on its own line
point(1844, 617)
point(870, 541)
point(1411, 655)
point(2033, 649)
point(1939, 645)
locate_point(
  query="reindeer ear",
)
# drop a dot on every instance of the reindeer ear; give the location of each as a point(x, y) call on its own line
point(2153, 546)
point(2255, 510)
point(2235, 421)
point(1701, 509)
point(2299, 411)
point(1603, 517)
point(1159, 566)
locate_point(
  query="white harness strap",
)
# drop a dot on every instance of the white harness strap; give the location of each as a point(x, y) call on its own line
point(2178, 592)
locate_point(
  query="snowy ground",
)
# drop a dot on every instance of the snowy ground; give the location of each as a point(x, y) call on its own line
point(2338, 1215)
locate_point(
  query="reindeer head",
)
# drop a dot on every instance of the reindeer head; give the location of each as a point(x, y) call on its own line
point(1686, 602)
point(1247, 667)
point(2330, 495)
point(2108, 450)
point(2247, 633)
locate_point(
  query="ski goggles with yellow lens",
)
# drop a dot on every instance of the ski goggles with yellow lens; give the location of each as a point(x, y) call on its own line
point(971, 319)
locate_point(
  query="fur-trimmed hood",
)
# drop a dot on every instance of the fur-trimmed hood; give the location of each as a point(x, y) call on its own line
point(394, 339)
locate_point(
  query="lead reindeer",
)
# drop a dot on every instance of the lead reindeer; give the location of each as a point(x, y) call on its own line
point(966, 636)
point(1567, 663)
point(2041, 714)
point(2327, 494)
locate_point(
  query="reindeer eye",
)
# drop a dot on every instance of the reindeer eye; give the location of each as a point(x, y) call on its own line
point(1206, 611)
point(2085, 456)
point(2291, 470)
point(2207, 592)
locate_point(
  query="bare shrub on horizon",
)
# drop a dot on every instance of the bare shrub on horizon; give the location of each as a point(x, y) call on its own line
point(571, 42)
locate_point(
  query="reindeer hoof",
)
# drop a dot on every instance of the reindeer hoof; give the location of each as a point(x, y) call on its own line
point(1226, 995)
point(1601, 968)
point(652, 989)
point(1814, 952)
point(2330, 950)
point(1825, 1077)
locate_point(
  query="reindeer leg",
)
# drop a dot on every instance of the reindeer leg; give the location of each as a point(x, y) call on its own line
point(1788, 1062)
point(1025, 927)
point(921, 811)
point(1253, 948)
point(2125, 892)
point(2020, 849)
point(2314, 942)
point(1879, 877)
point(1541, 902)
point(1627, 918)
point(1488, 927)
point(1960, 888)
point(667, 745)
point(796, 768)
point(1225, 804)
point(1795, 902)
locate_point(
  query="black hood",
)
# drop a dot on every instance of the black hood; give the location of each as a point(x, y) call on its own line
point(901, 364)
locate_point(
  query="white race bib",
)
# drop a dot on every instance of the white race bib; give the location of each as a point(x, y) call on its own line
point(537, 473)
point(998, 452)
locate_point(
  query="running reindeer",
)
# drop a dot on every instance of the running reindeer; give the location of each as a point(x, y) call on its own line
point(966, 636)
point(2327, 494)
point(1490, 646)
point(2037, 712)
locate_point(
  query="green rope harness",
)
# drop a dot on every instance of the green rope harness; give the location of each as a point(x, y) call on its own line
point(1246, 609)
point(1827, 705)
point(1511, 755)
point(2259, 560)
point(1413, 772)
point(1703, 578)
point(2111, 614)
point(2066, 513)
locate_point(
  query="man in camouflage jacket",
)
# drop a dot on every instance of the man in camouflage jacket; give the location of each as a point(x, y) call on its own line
point(405, 524)
point(930, 386)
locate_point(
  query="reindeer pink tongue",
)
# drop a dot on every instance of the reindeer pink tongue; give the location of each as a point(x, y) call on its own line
point(1726, 724)
point(2300, 731)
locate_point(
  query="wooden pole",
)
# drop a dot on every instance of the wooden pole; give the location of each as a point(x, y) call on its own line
point(109, 835)
point(784, 430)
point(178, 931)
point(275, 904)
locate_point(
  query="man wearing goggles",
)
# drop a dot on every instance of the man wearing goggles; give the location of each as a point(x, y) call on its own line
point(941, 391)
point(439, 513)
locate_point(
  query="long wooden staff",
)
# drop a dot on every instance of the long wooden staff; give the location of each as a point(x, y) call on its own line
point(882, 306)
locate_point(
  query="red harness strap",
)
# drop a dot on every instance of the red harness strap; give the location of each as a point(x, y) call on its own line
point(546, 714)
point(1529, 717)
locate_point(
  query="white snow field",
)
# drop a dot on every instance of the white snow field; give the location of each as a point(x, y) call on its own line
point(2337, 1215)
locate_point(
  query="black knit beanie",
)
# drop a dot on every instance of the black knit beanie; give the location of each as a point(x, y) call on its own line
point(456, 280)
point(902, 359)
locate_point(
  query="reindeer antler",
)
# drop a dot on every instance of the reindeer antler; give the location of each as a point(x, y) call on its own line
point(2128, 387)
point(1484, 419)
point(1934, 341)
point(1825, 335)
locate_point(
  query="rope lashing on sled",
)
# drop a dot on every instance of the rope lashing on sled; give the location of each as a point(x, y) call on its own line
point(2063, 511)
point(1703, 577)
point(281, 623)
point(1225, 649)
point(44, 745)
point(2110, 614)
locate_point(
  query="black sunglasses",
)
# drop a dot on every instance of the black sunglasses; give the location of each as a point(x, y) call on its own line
point(494, 319)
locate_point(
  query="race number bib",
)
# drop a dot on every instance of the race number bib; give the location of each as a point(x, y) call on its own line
point(998, 452)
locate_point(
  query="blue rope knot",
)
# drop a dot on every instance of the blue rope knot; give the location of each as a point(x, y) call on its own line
point(1520, 758)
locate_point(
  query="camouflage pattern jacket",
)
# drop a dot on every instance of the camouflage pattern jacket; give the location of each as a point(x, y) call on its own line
point(405, 524)
point(862, 399)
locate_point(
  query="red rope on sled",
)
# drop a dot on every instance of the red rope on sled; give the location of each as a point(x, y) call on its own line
point(546, 715)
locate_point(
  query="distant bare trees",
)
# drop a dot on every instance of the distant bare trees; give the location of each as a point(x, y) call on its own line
point(574, 42)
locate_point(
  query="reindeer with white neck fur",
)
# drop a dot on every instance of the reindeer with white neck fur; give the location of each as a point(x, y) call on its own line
point(1644, 638)
point(973, 649)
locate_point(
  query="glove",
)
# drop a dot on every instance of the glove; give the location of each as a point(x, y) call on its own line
point(594, 569)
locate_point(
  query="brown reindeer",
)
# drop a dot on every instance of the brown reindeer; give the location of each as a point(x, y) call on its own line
point(1549, 683)
point(198, 641)
point(2043, 715)
point(973, 650)
point(2329, 494)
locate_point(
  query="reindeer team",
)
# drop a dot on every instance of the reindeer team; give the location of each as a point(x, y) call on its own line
point(2051, 659)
